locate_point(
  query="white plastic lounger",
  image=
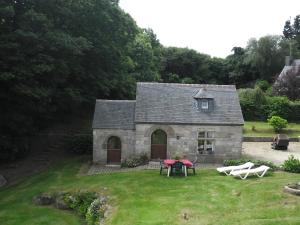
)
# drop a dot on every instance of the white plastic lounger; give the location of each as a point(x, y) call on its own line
point(243, 174)
point(228, 169)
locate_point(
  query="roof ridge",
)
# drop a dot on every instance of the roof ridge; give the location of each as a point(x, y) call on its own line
point(110, 100)
point(188, 85)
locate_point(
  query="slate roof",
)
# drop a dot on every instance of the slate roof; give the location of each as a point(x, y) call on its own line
point(295, 65)
point(114, 114)
point(171, 103)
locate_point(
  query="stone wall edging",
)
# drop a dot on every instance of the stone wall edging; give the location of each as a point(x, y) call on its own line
point(265, 139)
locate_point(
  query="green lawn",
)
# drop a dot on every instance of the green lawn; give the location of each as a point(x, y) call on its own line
point(145, 197)
point(263, 129)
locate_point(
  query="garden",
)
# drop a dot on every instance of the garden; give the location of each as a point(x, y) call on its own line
point(145, 197)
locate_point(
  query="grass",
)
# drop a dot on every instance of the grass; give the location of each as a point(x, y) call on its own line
point(145, 197)
point(263, 129)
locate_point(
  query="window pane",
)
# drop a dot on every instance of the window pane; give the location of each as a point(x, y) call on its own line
point(210, 134)
point(204, 104)
point(201, 134)
point(114, 143)
point(209, 145)
point(201, 145)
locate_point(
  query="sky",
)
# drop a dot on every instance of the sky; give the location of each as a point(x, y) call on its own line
point(212, 27)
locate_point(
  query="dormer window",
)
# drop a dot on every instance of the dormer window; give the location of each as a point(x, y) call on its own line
point(205, 100)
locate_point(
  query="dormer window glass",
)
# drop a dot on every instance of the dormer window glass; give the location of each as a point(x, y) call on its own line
point(204, 104)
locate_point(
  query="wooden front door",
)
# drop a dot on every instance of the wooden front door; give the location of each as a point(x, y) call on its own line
point(159, 145)
point(114, 150)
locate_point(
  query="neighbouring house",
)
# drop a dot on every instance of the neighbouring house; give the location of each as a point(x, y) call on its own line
point(169, 119)
point(288, 81)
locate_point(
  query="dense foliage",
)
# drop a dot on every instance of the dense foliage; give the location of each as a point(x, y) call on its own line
point(236, 162)
point(291, 165)
point(260, 105)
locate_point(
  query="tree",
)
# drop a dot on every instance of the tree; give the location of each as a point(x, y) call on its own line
point(58, 56)
point(240, 72)
point(292, 31)
point(266, 55)
point(186, 63)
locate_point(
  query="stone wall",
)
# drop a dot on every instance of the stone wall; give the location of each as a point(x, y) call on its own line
point(100, 137)
point(183, 139)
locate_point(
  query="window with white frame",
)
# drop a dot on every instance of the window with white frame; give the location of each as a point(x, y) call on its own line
point(206, 142)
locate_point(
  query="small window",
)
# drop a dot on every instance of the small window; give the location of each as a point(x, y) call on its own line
point(201, 134)
point(204, 104)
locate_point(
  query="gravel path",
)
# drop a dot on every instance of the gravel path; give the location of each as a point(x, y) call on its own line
point(263, 151)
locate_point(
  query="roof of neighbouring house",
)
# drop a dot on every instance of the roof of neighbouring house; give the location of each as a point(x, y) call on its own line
point(295, 65)
point(114, 114)
point(172, 103)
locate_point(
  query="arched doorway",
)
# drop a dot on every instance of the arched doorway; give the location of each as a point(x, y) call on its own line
point(113, 150)
point(159, 145)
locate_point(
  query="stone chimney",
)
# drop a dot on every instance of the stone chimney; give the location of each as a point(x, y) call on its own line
point(288, 60)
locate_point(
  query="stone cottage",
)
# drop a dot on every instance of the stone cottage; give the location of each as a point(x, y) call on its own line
point(169, 119)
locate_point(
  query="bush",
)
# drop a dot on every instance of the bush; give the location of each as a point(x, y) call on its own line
point(134, 162)
point(236, 162)
point(79, 144)
point(253, 103)
point(294, 114)
point(277, 106)
point(291, 165)
point(277, 123)
point(263, 85)
point(92, 214)
point(80, 201)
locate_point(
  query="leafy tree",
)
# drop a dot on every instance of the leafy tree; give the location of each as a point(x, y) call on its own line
point(277, 123)
point(145, 53)
point(185, 63)
point(58, 56)
point(241, 72)
point(292, 31)
point(266, 55)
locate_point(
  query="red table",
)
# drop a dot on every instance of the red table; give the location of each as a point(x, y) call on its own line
point(169, 162)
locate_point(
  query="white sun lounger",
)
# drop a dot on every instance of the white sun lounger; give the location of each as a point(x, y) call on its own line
point(228, 169)
point(243, 174)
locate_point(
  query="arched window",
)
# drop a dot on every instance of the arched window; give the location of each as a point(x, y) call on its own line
point(114, 143)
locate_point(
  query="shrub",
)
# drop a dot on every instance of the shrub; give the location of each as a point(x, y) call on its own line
point(277, 106)
point(134, 162)
point(79, 144)
point(96, 211)
point(253, 103)
point(294, 114)
point(263, 85)
point(236, 162)
point(80, 201)
point(291, 165)
point(277, 123)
